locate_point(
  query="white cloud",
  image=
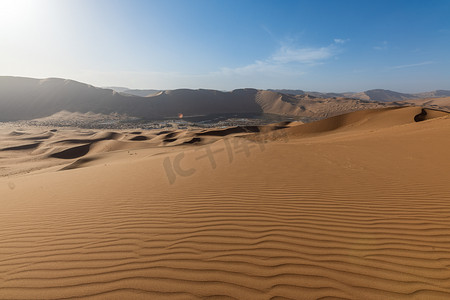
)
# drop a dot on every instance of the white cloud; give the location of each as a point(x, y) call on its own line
point(412, 65)
point(302, 55)
point(288, 60)
point(260, 67)
point(341, 41)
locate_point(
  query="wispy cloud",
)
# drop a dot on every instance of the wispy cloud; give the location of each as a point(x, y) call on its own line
point(267, 67)
point(412, 65)
point(289, 59)
point(302, 55)
point(269, 32)
point(341, 41)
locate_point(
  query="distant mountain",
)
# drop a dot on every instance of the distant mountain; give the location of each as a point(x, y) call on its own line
point(118, 89)
point(434, 94)
point(290, 92)
point(379, 95)
point(314, 94)
point(328, 95)
point(134, 92)
point(441, 103)
point(27, 98)
point(141, 93)
point(387, 95)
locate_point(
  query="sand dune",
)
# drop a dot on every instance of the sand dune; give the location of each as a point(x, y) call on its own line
point(73, 103)
point(375, 119)
point(352, 207)
point(272, 102)
point(31, 148)
point(373, 95)
point(442, 103)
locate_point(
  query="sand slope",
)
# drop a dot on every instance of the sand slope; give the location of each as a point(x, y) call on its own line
point(353, 207)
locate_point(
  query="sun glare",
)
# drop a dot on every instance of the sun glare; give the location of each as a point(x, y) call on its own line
point(16, 13)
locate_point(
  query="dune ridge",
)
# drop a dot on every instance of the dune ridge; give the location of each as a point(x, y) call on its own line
point(352, 207)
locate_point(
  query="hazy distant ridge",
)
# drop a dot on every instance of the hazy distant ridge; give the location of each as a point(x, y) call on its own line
point(373, 95)
point(27, 98)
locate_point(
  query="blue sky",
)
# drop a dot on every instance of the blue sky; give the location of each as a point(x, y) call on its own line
point(227, 44)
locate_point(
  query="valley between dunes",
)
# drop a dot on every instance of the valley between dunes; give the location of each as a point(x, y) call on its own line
point(356, 206)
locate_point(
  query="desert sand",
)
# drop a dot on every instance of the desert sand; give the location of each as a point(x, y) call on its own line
point(352, 207)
